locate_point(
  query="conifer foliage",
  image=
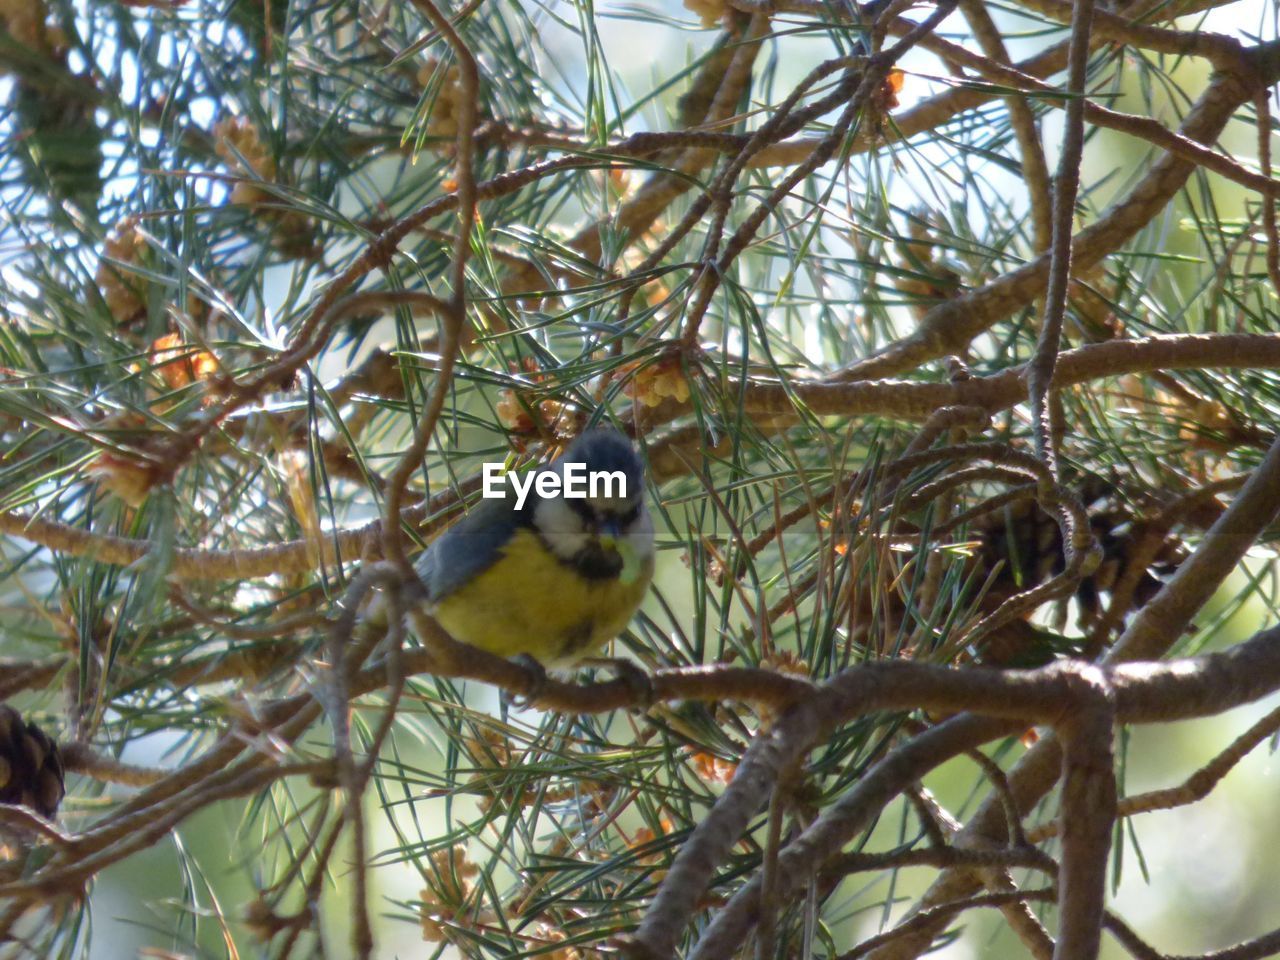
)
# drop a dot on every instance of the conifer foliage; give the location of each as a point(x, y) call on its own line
point(946, 330)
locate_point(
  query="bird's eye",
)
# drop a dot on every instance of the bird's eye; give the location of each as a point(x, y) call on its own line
point(630, 517)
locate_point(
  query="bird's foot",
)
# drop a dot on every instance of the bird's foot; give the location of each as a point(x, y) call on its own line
point(633, 676)
point(537, 683)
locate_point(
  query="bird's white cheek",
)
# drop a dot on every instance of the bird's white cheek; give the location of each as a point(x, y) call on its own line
point(561, 529)
point(566, 545)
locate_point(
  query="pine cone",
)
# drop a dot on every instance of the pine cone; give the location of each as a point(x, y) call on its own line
point(30, 767)
point(1028, 542)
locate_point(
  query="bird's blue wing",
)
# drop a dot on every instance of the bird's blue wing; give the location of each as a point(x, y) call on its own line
point(468, 548)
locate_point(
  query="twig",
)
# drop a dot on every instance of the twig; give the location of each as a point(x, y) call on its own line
point(949, 327)
point(877, 69)
point(911, 401)
point(1023, 123)
point(1222, 51)
point(946, 856)
point(844, 819)
point(1262, 111)
point(1143, 128)
point(1066, 184)
point(936, 822)
point(941, 915)
point(1154, 531)
point(1157, 627)
point(83, 759)
point(766, 931)
point(455, 318)
point(1162, 621)
point(783, 120)
point(23, 821)
point(1195, 788)
point(337, 705)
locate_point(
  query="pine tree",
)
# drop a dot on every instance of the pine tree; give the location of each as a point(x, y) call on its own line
point(946, 332)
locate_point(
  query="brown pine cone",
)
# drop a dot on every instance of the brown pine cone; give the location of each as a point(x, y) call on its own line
point(1027, 544)
point(30, 767)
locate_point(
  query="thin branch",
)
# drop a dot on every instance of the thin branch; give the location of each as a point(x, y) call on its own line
point(1066, 185)
point(1192, 790)
point(949, 327)
point(941, 915)
point(1262, 111)
point(1163, 621)
point(455, 318)
point(905, 400)
point(1022, 121)
point(1157, 627)
point(83, 759)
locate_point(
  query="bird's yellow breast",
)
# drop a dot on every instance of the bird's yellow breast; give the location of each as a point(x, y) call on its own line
point(529, 602)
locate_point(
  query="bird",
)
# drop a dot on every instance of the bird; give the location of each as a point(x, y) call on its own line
point(548, 575)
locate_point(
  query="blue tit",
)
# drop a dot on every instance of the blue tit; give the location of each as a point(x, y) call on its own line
point(554, 577)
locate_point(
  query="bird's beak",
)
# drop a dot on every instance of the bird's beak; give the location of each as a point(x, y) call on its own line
point(610, 532)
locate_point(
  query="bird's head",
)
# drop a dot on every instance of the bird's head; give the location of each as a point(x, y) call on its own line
point(599, 521)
